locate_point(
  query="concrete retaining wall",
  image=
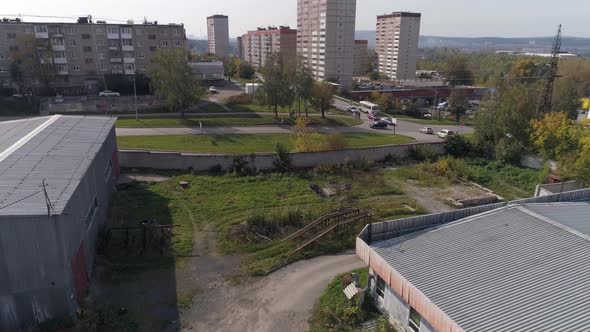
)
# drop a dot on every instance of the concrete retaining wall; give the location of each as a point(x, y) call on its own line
point(203, 162)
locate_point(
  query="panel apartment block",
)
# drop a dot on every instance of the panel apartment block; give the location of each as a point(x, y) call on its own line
point(325, 38)
point(218, 35)
point(397, 44)
point(81, 53)
point(361, 57)
point(257, 45)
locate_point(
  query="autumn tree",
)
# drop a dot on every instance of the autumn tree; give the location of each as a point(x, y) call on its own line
point(246, 70)
point(276, 90)
point(556, 136)
point(304, 139)
point(173, 80)
point(457, 72)
point(457, 103)
point(302, 82)
point(321, 96)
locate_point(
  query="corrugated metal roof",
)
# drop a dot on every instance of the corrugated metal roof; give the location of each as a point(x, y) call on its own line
point(506, 270)
point(60, 153)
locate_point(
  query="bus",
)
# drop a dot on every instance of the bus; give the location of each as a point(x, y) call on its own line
point(368, 107)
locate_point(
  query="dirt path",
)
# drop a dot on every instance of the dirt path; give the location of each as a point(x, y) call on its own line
point(281, 301)
point(425, 197)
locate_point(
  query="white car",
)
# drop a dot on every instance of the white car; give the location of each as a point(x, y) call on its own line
point(352, 109)
point(212, 89)
point(108, 93)
point(445, 133)
point(390, 121)
point(427, 130)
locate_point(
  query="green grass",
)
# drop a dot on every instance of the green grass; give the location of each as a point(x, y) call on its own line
point(233, 120)
point(244, 143)
point(264, 108)
point(433, 122)
point(221, 202)
point(212, 108)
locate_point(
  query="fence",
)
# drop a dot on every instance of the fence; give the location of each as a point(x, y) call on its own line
point(163, 160)
point(395, 228)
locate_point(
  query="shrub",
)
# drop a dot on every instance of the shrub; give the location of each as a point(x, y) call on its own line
point(450, 167)
point(508, 151)
point(335, 141)
point(362, 164)
point(323, 169)
point(244, 98)
point(282, 161)
point(458, 146)
point(240, 167)
point(423, 153)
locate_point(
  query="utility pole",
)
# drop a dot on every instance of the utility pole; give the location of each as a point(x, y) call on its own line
point(546, 99)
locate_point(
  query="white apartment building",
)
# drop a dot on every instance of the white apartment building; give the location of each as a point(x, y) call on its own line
point(325, 38)
point(397, 44)
point(218, 35)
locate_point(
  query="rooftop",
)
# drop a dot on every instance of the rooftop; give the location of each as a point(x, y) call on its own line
point(58, 149)
point(521, 267)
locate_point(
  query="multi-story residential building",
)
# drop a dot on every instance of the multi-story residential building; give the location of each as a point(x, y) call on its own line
point(218, 35)
point(361, 57)
point(78, 55)
point(257, 45)
point(325, 38)
point(397, 44)
point(240, 48)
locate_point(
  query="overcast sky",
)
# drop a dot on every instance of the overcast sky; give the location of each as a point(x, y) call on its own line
point(454, 18)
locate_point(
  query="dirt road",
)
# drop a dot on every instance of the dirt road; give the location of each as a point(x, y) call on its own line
point(280, 302)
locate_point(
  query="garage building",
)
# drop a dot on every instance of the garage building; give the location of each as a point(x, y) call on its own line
point(56, 178)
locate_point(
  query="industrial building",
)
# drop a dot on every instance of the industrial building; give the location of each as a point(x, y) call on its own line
point(325, 38)
point(397, 45)
point(56, 178)
point(218, 35)
point(518, 266)
point(210, 72)
point(81, 54)
point(257, 45)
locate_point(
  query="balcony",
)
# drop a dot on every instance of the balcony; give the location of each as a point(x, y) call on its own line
point(41, 35)
point(60, 61)
point(62, 72)
point(59, 47)
point(117, 71)
point(114, 48)
point(128, 48)
point(129, 71)
point(126, 35)
point(129, 60)
point(111, 35)
point(116, 60)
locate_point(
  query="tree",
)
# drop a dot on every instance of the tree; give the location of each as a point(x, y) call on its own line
point(304, 139)
point(246, 71)
point(173, 80)
point(457, 72)
point(457, 103)
point(231, 66)
point(386, 102)
point(275, 87)
point(321, 96)
point(556, 136)
point(302, 82)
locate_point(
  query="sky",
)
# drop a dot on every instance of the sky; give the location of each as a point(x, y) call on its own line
point(451, 18)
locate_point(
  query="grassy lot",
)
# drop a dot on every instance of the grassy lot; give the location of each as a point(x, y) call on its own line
point(212, 108)
point(334, 312)
point(265, 108)
point(224, 201)
point(14, 107)
point(234, 120)
point(244, 143)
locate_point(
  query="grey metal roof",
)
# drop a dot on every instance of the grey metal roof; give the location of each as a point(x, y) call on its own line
point(60, 151)
point(511, 269)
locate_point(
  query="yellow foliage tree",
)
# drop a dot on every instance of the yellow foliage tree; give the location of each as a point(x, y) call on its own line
point(304, 139)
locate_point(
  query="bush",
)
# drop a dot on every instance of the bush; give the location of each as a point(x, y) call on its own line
point(244, 98)
point(335, 141)
point(362, 164)
point(240, 167)
point(423, 153)
point(508, 151)
point(283, 159)
point(458, 146)
point(450, 167)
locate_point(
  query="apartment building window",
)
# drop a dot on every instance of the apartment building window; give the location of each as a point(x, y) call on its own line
point(139, 44)
point(87, 49)
point(164, 43)
point(73, 43)
point(70, 30)
point(142, 67)
point(99, 30)
point(129, 66)
point(101, 56)
point(128, 55)
point(414, 320)
point(57, 41)
point(126, 30)
point(55, 30)
point(40, 28)
point(59, 54)
point(127, 42)
point(28, 30)
point(113, 43)
point(138, 31)
point(85, 36)
point(89, 60)
point(141, 56)
point(2, 69)
point(152, 37)
point(76, 68)
point(61, 67)
point(113, 30)
point(11, 35)
point(177, 43)
point(103, 67)
point(74, 55)
point(100, 42)
point(177, 32)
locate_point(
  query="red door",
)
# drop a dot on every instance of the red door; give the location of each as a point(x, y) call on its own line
point(81, 282)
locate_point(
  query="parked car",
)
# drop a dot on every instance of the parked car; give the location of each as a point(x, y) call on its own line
point(427, 130)
point(352, 109)
point(371, 116)
point(428, 115)
point(379, 125)
point(443, 106)
point(212, 89)
point(389, 121)
point(108, 93)
point(445, 133)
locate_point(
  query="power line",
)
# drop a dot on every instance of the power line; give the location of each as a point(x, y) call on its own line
point(20, 200)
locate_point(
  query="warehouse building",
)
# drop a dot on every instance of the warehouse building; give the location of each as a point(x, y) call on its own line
point(56, 178)
point(521, 266)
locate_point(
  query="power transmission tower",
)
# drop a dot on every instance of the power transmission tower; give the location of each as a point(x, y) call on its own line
point(546, 98)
